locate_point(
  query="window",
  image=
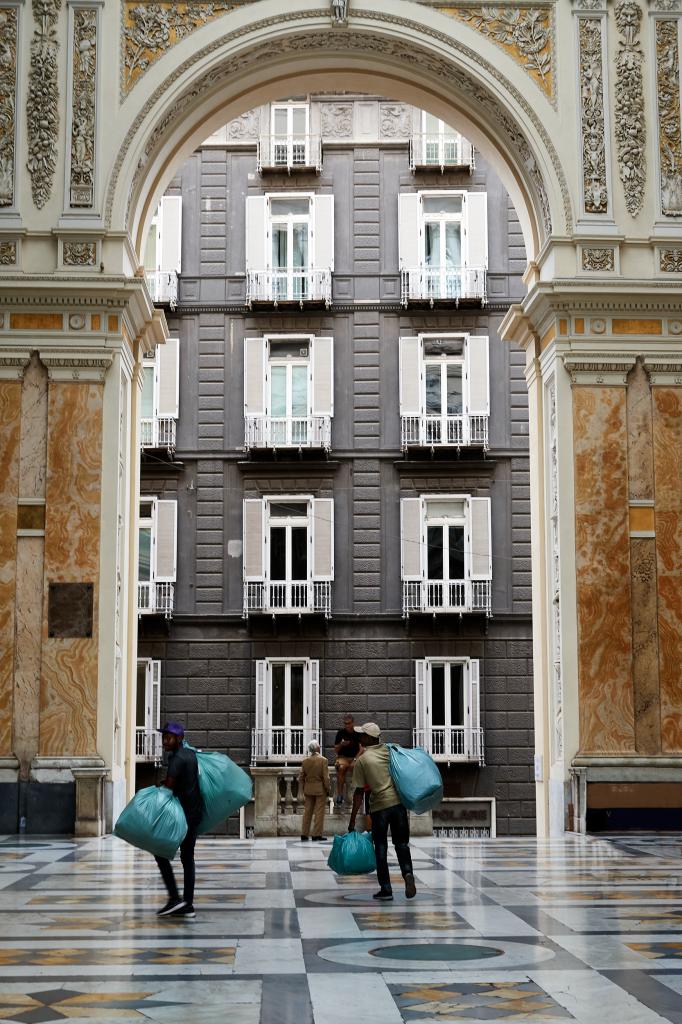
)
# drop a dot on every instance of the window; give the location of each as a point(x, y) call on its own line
point(448, 708)
point(290, 234)
point(290, 129)
point(162, 254)
point(440, 142)
point(442, 235)
point(160, 395)
point(287, 708)
point(157, 556)
point(148, 710)
point(288, 554)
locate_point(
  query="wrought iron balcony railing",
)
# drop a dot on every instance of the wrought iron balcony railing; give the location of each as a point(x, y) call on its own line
point(163, 287)
point(290, 152)
point(288, 432)
point(446, 596)
point(444, 431)
point(431, 150)
point(288, 598)
point(289, 284)
point(451, 743)
point(436, 284)
point(155, 599)
point(158, 432)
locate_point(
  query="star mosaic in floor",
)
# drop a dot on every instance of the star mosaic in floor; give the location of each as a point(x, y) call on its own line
point(501, 930)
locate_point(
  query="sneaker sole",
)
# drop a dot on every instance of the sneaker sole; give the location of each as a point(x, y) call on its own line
point(383, 899)
point(172, 910)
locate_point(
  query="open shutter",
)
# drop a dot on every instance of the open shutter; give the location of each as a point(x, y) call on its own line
point(411, 537)
point(409, 219)
point(166, 541)
point(476, 214)
point(421, 710)
point(171, 234)
point(155, 696)
point(478, 375)
point(312, 701)
point(169, 377)
point(323, 228)
point(254, 561)
point(474, 705)
point(410, 377)
point(480, 560)
point(256, 227)
point(323, 538)
point(254, 376)
point(261, 669)
point(323, 376)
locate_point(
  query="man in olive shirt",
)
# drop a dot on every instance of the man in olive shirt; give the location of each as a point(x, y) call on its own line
point(372, 769)
point(182, 776)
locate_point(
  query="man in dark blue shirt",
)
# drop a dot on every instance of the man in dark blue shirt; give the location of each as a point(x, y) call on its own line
point(182, 776)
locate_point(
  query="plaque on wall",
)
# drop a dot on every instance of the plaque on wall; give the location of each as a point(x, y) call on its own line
point(464, 819)
point(70, 610)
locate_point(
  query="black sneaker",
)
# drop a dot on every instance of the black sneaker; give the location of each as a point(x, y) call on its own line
point(319, 839)
point(171, 907)
point(185, 910)
point(304, 839)
point(385, 895)
point(410, 887)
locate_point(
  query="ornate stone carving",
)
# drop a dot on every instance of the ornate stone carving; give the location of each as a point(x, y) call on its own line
point(84, 99)
point(8, 254)
point(589, 5)
point(630, 126)
point(669, 134)
point(42, 105)
point(665, 5)
point(670, 261)
point(592, 115)
point(395, 121)
point(245, 126)
point(526, 33)
point(336, 120)
point(9, 17)
point(76, 321)
point(598, 259)
point(339, 12)
point(79, 254)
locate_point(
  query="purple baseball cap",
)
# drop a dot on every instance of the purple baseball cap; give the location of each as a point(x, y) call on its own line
point(175, 728)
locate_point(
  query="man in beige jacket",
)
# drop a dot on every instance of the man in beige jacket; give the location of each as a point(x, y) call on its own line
point(314, 778)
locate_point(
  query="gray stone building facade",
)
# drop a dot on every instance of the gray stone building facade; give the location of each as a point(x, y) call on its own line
point(335, 482)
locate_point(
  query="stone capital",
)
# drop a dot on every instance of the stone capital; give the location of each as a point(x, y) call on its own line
point(664, 370)
point(83, 366)
point(13, 362)
point(599, 370)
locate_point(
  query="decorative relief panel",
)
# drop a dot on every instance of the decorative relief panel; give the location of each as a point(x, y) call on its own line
point(336, 120)
point(395, 121)
point(599, 259)
point(42, 105)
point(526, 33)
point(592, 115)
point(669, 134)
point(8, 254)
point(79, 254)
point(9, 19)
point(670, 261)
point(84, 100)
point(630, 126)
point(246, 126)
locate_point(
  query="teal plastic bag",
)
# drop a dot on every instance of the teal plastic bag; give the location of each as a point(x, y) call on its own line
point(153, 821)
point(416, 777)
point(352, 854)
point(224, 786)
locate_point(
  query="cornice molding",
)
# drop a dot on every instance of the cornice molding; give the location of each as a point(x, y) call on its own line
point(664, 371)
point(85, 366)
point(599, 370)
point(13, 362)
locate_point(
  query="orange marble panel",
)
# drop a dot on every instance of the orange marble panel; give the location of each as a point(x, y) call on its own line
point(668, 480)
point(579, 325)
point(548, 338)
point(10, 433)
point(36, 321)
point(95, 321)
point(636, 326)
point(603, 571)
point(68, 694)
point(641, 518)
point(113, 323)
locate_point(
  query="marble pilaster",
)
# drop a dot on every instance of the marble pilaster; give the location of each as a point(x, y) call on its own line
point(10, 427)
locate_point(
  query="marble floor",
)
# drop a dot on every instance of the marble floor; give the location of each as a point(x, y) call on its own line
point(577, 929)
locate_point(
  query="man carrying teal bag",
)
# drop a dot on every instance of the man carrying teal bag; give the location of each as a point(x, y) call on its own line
point(182, 776)
point(372, 769)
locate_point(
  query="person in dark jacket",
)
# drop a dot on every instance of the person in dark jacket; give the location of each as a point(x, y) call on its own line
point(182, 776)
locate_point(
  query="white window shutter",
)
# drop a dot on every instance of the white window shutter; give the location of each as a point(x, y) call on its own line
point(169, 378)
point(478, 375)
point(475, 694)
point(421, 711)
point(323, 376)
point(411, 538)
point(171, 234)
point(254, 376)
point(480, 557)
point(312, 701)
point(410, 376)
point(261, 673)
point(256, 225)
point(155, 696)
point(254, 559)
point(476, 213)
point(409, 209)
point(323, 228)
point(323, 538)
point(166, 541)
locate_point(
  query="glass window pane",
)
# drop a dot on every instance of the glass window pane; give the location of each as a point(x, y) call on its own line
point(299, 552)
point(281, 126)
point(297, 695)
point(432, 124)
point(279, 245)
point(278, 552)
point(141, 702)
point(283, 207)
point(299, 116)
point(432, 381)
point(457, 694)
point(432, 245)
point(454, 373)
point(144, 564)
point(456, 559)
point(300, 245)
point(445, 509)
point(434, 540)
point(278, 695)
point(453, 245)
point(278, 390)
point(299, 390)
point(288, 509)
point(150, 249)
point(442, 204)
point(438, 695)
point(148, 393)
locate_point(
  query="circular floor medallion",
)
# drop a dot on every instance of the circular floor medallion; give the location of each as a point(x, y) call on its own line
point(439, 951)
point(440, 955)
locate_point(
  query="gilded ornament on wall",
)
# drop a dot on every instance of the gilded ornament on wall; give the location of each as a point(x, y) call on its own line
point(599, 259)
point(79, 254)
point(42, 104)
point(8, 254)
point(592, 115)
point(526, 33)
point(670, 261)
point(630, 126)
point(8, 98)
point(669, 132)
point(84, 99)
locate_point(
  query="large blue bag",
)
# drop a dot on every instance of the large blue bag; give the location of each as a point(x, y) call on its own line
point(352, 854)
point(153, 821)
point(224, 786)
point(416, 777)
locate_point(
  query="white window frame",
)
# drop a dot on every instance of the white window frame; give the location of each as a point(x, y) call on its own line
point(289, 219)
point(446, 741)
point(288, 592)
point(297, 428)
point(445, 522)
point(148, 745)
point(279, 743)
point(443, 131)
point(290, 136)
point(443, 418)
point(157, 594)
point(444, 219)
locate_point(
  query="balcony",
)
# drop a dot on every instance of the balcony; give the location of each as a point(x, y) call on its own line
point(444, 432)
point(452, 285)
point(451, 597)
point(431, 151)
point(288, 598)
point(290, 153)
point(148, 744)
point(280, 743)
point(163, 287)
point(155, 599)
point(289, 284)
point(451, 743)
point(288, 432)
point(158, 432)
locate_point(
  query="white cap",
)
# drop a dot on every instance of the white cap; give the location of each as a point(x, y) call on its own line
point(369, 729)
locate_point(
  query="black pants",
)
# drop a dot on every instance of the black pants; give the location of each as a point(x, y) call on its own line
point(397, 820)
point(187, 858)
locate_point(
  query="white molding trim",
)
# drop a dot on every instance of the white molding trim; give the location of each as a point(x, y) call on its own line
point(601, 370)
point(85, 367)
point(13, 362)
point(663, 370)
